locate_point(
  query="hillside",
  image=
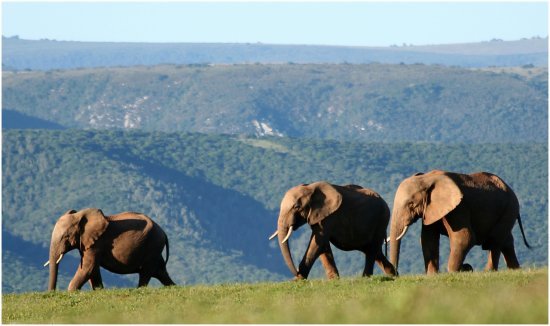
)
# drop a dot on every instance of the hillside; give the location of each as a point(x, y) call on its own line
point(20, 54)
point(374, 102)
point(217, 196)
point(510, 297)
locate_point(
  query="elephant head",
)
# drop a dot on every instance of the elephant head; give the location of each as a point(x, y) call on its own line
point(428, 196)
point(74, 230)
point(300, 205)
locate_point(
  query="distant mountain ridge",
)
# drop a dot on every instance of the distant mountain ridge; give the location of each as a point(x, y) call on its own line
point(20, 54)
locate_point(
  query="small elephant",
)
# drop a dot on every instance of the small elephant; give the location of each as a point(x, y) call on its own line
point(470, 209)
point(125, 243)
point(350, 217)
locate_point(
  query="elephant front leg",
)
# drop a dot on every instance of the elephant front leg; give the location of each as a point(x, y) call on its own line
point(461, 241)
point(327, 259)
point(95, 279)
point(83, 274)
point(429, 239)
point(316, 245)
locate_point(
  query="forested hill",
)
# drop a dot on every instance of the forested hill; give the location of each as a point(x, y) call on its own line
point(21, 54)
point(217, 196)
point(371, 102)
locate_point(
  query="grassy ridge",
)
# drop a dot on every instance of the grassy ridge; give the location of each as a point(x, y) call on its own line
point(519, 296)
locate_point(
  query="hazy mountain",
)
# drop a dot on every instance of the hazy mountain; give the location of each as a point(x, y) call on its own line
point(22, 54)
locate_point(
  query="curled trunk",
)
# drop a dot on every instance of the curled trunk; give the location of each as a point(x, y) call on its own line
point(285, 249)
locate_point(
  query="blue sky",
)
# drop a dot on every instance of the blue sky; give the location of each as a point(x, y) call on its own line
point(326, 23)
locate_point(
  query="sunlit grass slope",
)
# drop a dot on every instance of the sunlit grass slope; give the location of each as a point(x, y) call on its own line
point(498, 297)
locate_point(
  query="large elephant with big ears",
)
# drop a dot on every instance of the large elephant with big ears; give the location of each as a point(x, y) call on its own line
point(470, 209)
point(125, 243)
point(350, 217)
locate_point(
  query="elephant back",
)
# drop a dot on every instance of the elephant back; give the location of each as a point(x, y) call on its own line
point(133, 221)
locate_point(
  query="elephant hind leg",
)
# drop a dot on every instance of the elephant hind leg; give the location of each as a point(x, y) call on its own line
point(370, 257)
point(384, 264)
point(509, 253)
point(162, 274)
point(492, 260)
point(144, 278)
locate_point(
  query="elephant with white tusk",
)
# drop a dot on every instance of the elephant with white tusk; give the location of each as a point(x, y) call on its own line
point(350, 217)
point(470, 209)
point(125, 243)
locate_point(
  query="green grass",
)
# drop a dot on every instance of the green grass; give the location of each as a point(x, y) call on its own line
point(499, 297)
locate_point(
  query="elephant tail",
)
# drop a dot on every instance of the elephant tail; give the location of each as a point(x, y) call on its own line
point(523, 233)
point(167, 251)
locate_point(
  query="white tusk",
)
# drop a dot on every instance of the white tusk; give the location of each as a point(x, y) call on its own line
point(273, 235)
point(402, 233)
point(57, 262)
point(287, 235)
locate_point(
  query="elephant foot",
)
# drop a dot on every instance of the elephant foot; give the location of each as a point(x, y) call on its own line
point(466, 268)
point(298, 278)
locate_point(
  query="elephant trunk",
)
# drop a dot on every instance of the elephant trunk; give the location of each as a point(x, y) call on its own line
point(56, 254)
point(397, 230)
point(54, 267)
point(282, 234)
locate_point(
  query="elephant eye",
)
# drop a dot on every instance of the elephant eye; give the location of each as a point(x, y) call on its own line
point(297, 205)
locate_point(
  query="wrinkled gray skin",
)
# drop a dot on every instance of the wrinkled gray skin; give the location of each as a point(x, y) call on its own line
point(470, 209)
point(125, 243)
point(350, 217)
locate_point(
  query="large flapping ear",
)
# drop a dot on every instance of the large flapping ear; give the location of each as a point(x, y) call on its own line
point(92, 225)
point(325, 200)
point(444, 195)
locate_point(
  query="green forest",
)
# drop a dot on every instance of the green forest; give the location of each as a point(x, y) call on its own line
point(217, 196)
point(368, 102)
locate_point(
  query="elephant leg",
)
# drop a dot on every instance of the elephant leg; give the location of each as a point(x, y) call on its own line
point(144, 278)
point(162, 274)
point(509, 253)
point(327, 259)
point(429, 239)
point(315, 247)
point(95, 279)
point(369, 262)
point(492, 260)
point(384, 264)
point(461, 241)
point(83, 273)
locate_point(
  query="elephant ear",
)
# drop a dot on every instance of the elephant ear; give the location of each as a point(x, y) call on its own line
point(324, 201)
point(92, 225)
point(444, 195)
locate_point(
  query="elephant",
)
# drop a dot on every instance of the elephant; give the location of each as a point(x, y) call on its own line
point(124, 243)
point(470, 209)
point(350, 217)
